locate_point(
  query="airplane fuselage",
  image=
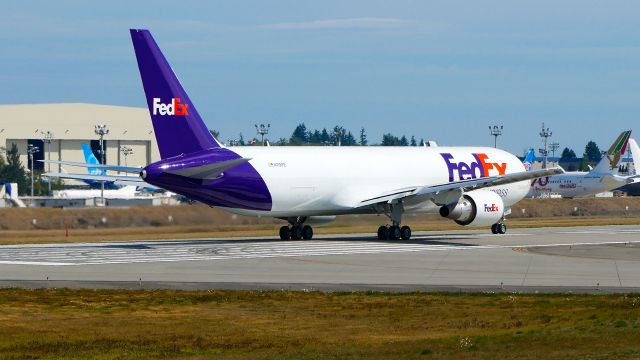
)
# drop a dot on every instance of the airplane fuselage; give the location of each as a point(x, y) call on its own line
point(283, 181)
point(575, 184)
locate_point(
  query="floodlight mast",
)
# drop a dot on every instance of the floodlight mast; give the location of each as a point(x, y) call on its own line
point(31, 150)
point(48, 138)
point(101, 130)
point(545, 134)
point(495, 131)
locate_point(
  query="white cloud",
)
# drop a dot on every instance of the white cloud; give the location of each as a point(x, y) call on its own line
point(351, 23)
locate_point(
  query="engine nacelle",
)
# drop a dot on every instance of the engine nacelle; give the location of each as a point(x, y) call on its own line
point(475, 208)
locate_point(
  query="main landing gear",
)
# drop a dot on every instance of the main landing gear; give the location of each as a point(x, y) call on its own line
point(499, 228)
point(296, 231)
point(394, 231)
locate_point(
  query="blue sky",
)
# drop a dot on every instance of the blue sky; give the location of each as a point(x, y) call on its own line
point(437, 70)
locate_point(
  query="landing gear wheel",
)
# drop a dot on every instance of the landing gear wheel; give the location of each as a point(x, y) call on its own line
point(383, 233)
point(405, 233)
point(307, 232)
point(285, 233)
point(502, 228)
point(394, 232)
point(494, 229)
point(296, 232)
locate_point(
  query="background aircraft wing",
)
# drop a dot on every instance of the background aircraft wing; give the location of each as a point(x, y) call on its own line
point(107, 178)
point(133, 169)
point(446, 191)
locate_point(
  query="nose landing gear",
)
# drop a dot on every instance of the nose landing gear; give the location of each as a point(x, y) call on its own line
point(499, 228)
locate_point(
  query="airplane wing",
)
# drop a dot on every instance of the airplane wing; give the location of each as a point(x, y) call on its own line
point(455, 189)
point(133, 169)
point(107, 178)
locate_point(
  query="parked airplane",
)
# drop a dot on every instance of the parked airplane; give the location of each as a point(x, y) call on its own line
point(579, 184)
point(474, 186)
point(529, 159)
point(633, 189)
point(90, 158)
point(126, 192)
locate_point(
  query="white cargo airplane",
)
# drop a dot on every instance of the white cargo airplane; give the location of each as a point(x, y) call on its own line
point(580, 183)
point(474, 186)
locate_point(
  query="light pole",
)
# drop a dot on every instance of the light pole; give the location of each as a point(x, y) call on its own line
point(263, 130)
point(101, 130)
point(338, 133)
point(554, 146)
point(126, 151)
point(48, 138)
point(495, 131)
point(545, 134)
point(31, 150)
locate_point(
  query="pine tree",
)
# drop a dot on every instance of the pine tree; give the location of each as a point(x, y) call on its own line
point(363, 137)
point(413, 141)
point(299, 135)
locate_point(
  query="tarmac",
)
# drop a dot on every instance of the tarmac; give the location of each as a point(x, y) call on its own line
point(550, 260)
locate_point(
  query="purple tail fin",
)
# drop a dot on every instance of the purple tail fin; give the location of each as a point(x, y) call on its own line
point(178, 127)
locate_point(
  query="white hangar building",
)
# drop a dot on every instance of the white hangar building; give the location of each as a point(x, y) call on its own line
point(74, 124)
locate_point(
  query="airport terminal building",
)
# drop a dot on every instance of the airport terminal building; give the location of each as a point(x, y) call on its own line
point(130, 141)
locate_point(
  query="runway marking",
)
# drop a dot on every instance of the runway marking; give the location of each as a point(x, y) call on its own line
point(208, 250)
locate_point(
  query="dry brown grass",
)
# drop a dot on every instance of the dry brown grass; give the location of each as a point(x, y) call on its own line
point(179, 222)
point(82, 324)
point(9, 237)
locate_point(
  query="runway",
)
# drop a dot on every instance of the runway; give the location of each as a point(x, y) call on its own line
point(585, 259)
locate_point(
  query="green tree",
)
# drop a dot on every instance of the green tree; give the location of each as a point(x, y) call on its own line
point(421, 142)
point(216, 134)
point(348, 139)
point(299, 135)
point(363, 137)
point(413, 141)
point(592, 152)
point(390, 140)
point(241, 140)
point(324, 136)
point(568, 155)
point(12, 170)
point(315, 137)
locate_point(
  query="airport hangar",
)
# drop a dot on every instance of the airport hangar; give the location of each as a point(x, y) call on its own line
point(72, 124)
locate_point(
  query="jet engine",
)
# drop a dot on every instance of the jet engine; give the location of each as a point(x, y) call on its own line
point(475, 208)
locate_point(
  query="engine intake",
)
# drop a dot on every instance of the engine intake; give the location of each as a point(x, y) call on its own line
point(475, 208)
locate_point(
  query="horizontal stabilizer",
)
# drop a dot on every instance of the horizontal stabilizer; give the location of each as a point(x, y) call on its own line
point(208, 171)
point(132, 169)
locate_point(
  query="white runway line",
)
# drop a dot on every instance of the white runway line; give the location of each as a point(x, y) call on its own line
point(209, 250)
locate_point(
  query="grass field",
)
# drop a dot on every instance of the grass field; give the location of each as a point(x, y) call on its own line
point(115, 324)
